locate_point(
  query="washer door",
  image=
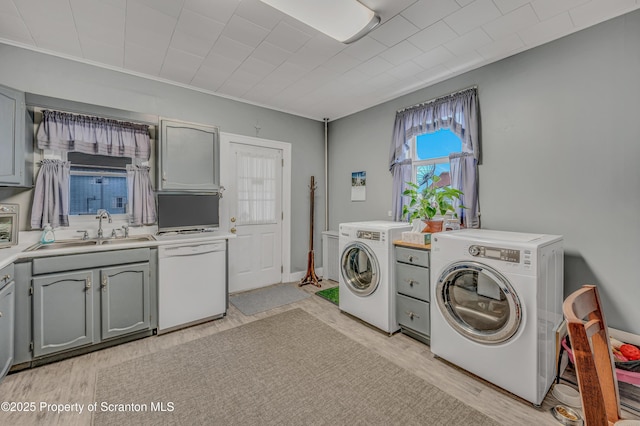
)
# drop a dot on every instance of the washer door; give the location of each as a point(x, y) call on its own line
point(478, 302)
point(359, 268)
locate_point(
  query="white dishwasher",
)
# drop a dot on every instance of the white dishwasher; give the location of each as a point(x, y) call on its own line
point(192, 283)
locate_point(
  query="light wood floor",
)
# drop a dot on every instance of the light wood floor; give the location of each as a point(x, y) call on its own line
point(73, 380)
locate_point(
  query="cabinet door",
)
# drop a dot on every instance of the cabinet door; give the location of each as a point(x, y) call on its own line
point(62, 312)
point(7, 309)
point(125, 299)
point(12, 127)
point(189, 157)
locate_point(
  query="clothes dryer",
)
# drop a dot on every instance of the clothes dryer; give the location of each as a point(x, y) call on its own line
point(367, 289)
point(496, 305)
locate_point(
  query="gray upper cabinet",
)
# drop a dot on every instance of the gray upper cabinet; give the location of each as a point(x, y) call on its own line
point(125, 299)
point(62, 311)
point(16, 139)
point(189, 157)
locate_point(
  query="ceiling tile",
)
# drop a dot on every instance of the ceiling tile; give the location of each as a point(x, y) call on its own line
point(546, 9)
point(190, 44)
point(342, 62)
point(105, 53)
point(222, 63)
point(256, 67)
point(199, 26)
point(13, 28)
point(210, 78)
point(433, 36)
point(406, 70)
point(394, 31)
point(168, 7)
point(180, 66)
point(7, 7)
point(219, 10)
point(383, 80)
point(287, 37)
point(427, 12)
point(511, 23)
point(507, 6)
point(259, 13)
point(468, 42)
point(365, 48)
point(271, 53)
point(463, 3)
point(501, 48)
point(472, 16)
point(387, 8)
point(433, 57)
point(61, 41)
point(374, 66)
point(244, 31)
point(400, 53)
point(231, 49)
point(547, 30)
point(597, 11)
point(146, 26)
point(143, 59)
point(464, 62)
point(437, 73)
point(291, 72)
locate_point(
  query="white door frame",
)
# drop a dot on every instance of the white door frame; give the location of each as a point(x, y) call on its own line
point(225, 140)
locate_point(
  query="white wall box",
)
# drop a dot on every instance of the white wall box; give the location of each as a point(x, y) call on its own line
point(189, 157)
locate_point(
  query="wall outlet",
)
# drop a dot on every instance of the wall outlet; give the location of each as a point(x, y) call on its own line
point(389, 213)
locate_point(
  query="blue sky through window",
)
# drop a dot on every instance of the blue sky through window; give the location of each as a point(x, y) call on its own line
point(438, 144)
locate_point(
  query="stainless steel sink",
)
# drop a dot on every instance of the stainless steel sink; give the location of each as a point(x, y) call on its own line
point(60, 244)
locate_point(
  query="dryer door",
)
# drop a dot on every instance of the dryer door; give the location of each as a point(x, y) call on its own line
point(478, 302)
point(359, 269)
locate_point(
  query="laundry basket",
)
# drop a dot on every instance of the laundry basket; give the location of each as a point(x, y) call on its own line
point(627, 372)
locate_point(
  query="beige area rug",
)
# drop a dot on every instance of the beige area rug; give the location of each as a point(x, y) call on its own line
point(287, 369)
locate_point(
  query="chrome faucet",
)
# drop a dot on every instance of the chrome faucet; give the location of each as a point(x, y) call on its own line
point(102, 214)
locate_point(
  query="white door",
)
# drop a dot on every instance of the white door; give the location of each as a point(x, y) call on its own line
point(254, 210)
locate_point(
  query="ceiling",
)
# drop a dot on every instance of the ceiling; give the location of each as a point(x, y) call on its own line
point(246, 50)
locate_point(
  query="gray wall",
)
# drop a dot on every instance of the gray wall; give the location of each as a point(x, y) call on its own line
point(51, 76)
point(560, 147)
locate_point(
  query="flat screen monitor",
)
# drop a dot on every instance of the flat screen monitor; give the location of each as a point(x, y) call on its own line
point(187, 212)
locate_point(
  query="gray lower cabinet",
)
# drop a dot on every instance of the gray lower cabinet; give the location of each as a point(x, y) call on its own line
point(79, 302)
point(413, 292)
point(7, 322)
point(124, 300)
point(62, 312)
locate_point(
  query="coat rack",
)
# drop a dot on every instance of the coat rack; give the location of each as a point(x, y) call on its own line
point(311, 277)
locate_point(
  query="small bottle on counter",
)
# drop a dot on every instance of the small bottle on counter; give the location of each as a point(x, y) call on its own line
point(47, 235)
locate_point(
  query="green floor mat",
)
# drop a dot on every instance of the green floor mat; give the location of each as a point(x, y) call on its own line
point(331, 294)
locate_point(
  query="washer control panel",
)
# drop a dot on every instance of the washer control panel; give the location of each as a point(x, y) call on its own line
point(368, 235)
point(497, 253)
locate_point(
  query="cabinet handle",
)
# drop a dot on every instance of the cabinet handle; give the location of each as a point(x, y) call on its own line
point(412, 315)
point(410, 258)
point(6, 278)
point(164, 176)
point(88, 283)
point(412, 282)
point(0, 314)
point(104, 283)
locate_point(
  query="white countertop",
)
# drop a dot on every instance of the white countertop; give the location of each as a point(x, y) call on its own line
point(28, 238)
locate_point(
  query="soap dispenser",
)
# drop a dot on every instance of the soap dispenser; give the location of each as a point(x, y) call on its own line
point(47, 235)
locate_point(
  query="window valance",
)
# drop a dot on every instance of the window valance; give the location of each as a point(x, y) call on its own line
point(61, 131)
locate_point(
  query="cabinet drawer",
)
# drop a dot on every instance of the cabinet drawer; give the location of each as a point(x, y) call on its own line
point(413, 257)
point(412, 281)
point(6, 275)
point(70, 262)
point(413, 314)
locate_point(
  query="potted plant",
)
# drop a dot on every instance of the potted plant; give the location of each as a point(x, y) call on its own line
point(432, 200)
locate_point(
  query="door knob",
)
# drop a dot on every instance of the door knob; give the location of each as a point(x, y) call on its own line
point(233, 230)
point(233, 219)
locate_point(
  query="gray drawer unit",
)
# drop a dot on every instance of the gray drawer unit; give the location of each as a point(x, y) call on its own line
point(413, 314)
point(412, 281)
point(71, 262)
point(412, 256)
point(6, 275)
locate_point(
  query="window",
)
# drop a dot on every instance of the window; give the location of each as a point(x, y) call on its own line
point(98, 182)
point(431, 156)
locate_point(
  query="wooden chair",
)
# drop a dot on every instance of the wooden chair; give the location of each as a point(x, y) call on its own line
point(592, 356)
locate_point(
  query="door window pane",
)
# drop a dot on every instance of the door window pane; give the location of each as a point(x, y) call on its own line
point(257, 192)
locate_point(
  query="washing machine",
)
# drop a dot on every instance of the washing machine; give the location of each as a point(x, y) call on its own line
point(496, 303)
point(367, 289)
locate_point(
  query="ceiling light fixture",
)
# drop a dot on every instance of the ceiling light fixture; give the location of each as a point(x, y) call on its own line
point(343, 20)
